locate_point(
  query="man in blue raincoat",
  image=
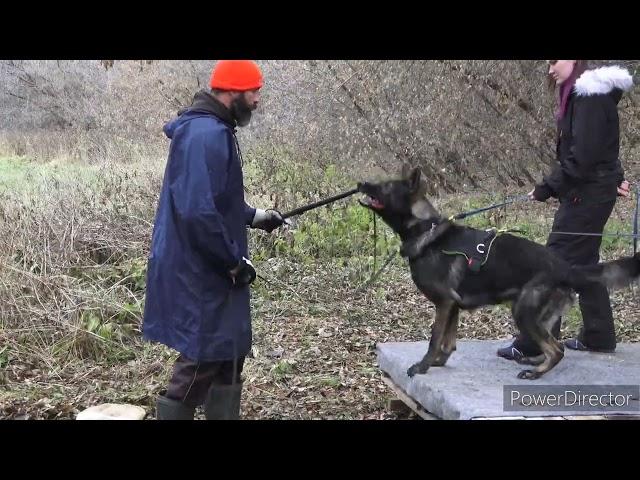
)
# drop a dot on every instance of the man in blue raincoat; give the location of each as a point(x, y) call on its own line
point(198, 273)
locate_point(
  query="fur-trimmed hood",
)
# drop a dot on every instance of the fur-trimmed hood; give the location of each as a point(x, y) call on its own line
point(603, 80)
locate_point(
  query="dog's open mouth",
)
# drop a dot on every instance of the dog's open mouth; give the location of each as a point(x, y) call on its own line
point(371, 202)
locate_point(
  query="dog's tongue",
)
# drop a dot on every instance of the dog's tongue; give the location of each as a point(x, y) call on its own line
point(375, 203)
point(371, 202)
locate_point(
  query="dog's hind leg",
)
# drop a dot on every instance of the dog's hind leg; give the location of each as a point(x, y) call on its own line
point(560, 301)
point(536, 360)
point(553, 352)
point(518, 315)
point(449, 340)
point(443, 315)
point(537, 311)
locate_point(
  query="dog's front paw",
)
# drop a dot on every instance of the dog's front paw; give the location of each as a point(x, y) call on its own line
point(529, 375)
point(417, 368)
point(441, 359)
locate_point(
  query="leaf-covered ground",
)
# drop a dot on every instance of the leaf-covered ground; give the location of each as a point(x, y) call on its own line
point(313, 356)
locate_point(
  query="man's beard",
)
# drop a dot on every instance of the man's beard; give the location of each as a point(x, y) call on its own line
point(241, 111)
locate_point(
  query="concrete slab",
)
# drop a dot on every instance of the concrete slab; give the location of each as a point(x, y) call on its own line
point(471, 385)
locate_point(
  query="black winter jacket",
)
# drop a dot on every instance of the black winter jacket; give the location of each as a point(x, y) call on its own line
point(588, 143)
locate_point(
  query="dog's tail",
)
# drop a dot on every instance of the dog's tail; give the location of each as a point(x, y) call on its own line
point(614, 275)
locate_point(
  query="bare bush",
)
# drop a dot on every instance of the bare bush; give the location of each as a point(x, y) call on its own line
point(72, 260)
point(469, 124)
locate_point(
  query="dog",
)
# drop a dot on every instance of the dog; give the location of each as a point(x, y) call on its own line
point(462, 268)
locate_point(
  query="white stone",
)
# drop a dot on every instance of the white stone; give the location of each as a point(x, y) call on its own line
point(112, 411)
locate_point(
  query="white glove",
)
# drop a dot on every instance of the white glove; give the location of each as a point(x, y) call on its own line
point(267, 220)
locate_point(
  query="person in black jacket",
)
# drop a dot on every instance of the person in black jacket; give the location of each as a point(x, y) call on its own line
point(586, 180)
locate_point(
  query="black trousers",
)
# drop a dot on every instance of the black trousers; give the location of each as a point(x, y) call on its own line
point(598, 330)
point(191, 380)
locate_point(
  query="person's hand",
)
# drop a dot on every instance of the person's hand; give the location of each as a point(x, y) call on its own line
point(267, 220)
point(243, 273)
point(623, 189)
point(530, 194)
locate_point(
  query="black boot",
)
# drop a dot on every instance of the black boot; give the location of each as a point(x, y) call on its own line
point(523, 346)
point(511, 352)
point(577, 344)
point(168, 409)
point(223, 402)
point(598, 332)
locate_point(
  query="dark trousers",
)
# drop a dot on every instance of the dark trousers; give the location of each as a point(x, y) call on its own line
point(598, 330)
point(191, 380)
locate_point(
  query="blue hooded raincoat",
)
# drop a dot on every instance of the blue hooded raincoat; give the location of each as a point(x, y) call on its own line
point(200, 233)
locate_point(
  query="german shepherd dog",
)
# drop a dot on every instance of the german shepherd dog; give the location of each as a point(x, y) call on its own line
point(540, 285)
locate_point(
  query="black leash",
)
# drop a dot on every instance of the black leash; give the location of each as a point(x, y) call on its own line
point(375, 276)
point(460, 216)
point(320, 203)
point(375, 240)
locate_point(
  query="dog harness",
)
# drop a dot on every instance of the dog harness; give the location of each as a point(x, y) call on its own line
point(474, 245)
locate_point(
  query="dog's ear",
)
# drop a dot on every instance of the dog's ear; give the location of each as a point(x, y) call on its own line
point(415, 178)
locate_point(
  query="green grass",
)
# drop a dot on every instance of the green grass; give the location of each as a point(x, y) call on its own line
point(18, 175)
point(282, 369)
point(24, 178)
point(14, 171)
point(329, 381)
point(573, 318)
point(612, 246)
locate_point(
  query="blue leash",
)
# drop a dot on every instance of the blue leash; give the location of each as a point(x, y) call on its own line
point(460, 216)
